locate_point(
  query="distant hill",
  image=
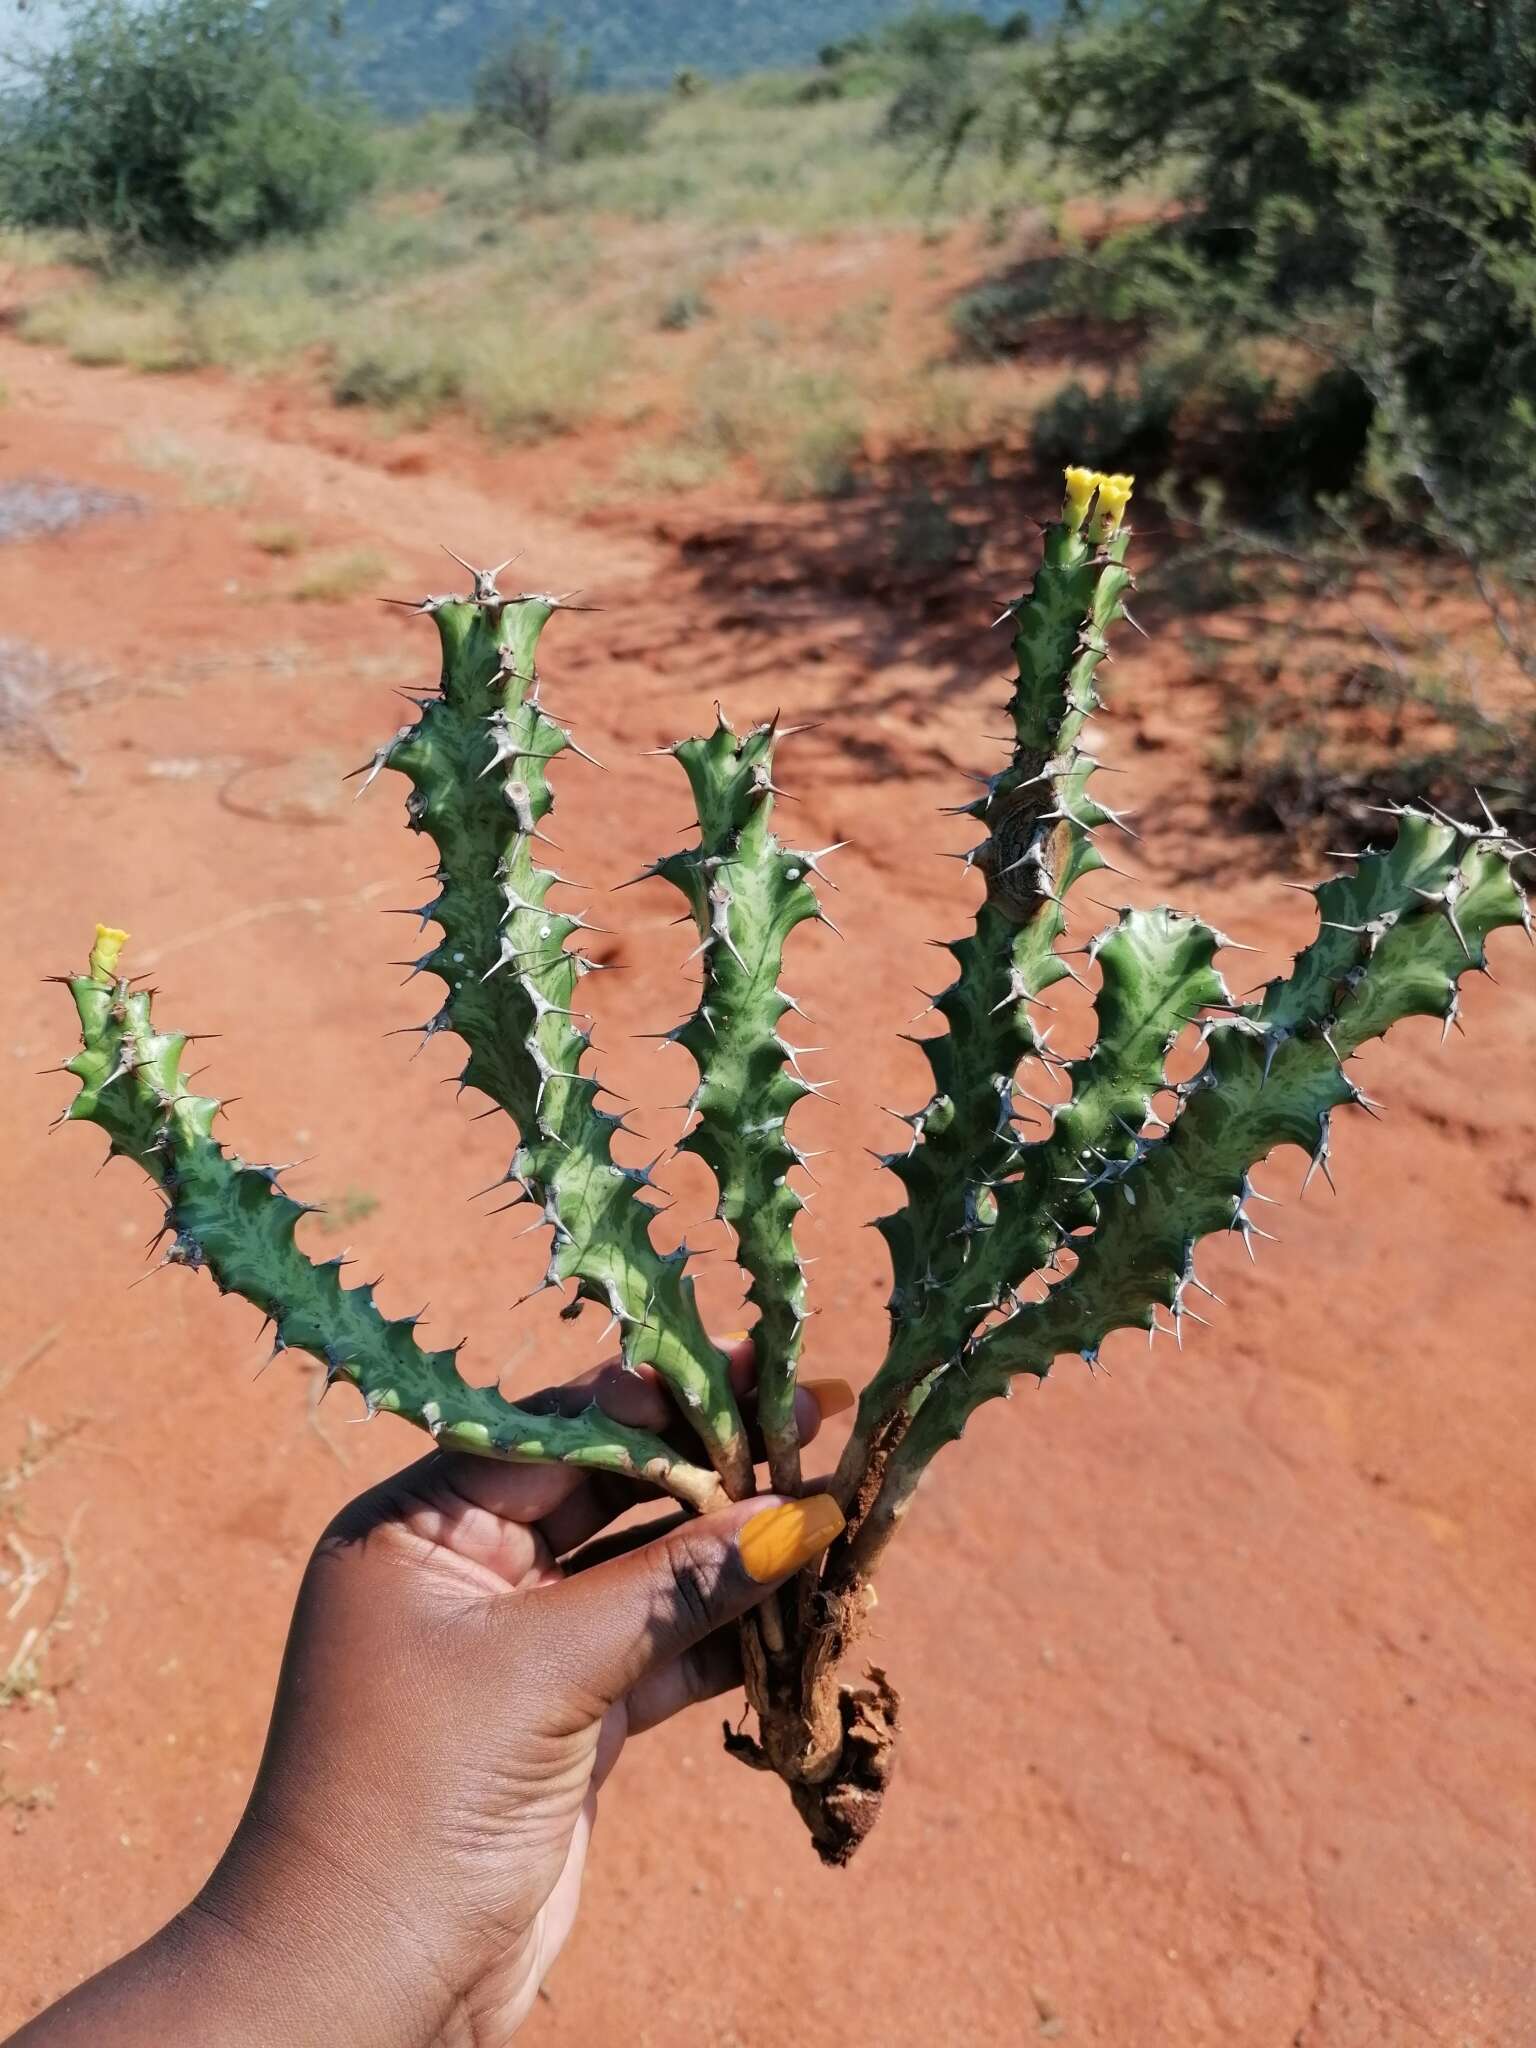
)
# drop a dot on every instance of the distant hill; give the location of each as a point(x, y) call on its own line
point(409, 55)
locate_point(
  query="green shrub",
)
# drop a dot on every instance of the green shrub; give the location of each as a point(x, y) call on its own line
point(820, 461)
point(414, 375)
point(606, 124)
point(1301, 443)
point(1124, 426)
point(928, 34)
point(995, 318)
point(524, 88)
point(685, 309)
point(1361, 173)
point(1354, 177)
point(928, 540)
point(932, 49)
point(1316, 448)
point(180, 129)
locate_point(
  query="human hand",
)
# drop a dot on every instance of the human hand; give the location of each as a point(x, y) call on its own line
point(451, 1700)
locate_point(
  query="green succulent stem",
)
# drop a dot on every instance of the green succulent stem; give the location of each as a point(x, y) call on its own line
point(1396, 937)
point(478, 758)
point(235, 1220)
point(746, 893)
point(970, 1230)
point(1019, 1242)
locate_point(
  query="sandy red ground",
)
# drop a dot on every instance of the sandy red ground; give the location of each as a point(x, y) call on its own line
point(1220, 1669)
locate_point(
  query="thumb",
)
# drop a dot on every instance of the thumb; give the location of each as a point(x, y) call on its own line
point(638, 1613)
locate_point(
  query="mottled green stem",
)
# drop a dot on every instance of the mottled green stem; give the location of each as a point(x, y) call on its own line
point(1102, 1212)
point(747, 893)
point(961, 1169)
point(478, 758)
point(1396, 937)
point(235, 1220)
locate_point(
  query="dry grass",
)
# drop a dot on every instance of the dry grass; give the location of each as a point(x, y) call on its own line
point(108, 324)
point(203, 482)
point(39, 1583)
point(33, 684)
point(519, 376)
point(334, 579)
point(798, 416)
point(953, 408)
point(280, 540)
point(671, 466)
point(343, 1212)
point(529, 303)
point(750, 156)
point(25, 248)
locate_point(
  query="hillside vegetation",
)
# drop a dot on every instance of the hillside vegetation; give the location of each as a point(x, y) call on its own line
point(1274, 258)
point(408, 58)
point(539, 289)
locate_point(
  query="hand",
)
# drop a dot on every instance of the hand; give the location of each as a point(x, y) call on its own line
point(451, 1701)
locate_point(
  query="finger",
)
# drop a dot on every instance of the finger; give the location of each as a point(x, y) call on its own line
point(638, 1396)
point(815, 1400)
point(624, 1395)
point(512, 1493)
point(607, 1629)
point(575, 1505)
point(621, 1541)
point(435, 1491)
point(576, 1521)
point(699, 1674)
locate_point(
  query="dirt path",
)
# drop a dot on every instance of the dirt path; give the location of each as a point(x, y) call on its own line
point(1220, 1670)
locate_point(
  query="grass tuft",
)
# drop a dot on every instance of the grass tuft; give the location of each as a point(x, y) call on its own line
point(337, 578)
point(280, 540)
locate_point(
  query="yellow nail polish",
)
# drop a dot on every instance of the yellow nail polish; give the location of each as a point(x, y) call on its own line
point(832, 1397)
point(735, 1337)
point(779, 1540)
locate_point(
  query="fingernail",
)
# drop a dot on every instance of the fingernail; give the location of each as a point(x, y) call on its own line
point(735, 1337)
point(832, 1397)
point(779, 1540)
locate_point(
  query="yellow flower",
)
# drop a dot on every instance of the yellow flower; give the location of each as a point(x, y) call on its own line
point(1114, 496)
point(1081, 485)
point(104, 954)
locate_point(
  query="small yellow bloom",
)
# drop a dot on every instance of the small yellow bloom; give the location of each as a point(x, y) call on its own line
point(1114, 496)
point(1081, 485)
point(105, 953)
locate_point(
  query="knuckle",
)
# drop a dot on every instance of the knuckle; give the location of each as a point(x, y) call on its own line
point(692, 1584)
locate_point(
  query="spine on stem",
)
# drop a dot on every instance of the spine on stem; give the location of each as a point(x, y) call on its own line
point(235, 1220)
point(1395, 938)
point(1039, 815)
point(746, 893)
point(478, 759)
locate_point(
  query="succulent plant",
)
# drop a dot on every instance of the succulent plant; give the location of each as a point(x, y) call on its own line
point(1100, 1216)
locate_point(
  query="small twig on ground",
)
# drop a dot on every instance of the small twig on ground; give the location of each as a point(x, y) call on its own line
point(12, 1372)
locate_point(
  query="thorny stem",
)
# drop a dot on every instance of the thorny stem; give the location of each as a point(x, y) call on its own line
point(478, 758)
point(1103, 1213)
point(746, 893)
point(960, 1171)
point(1402, 931)
point(235, 1220)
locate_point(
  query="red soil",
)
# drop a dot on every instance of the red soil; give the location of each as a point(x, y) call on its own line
point(1220, 1670)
